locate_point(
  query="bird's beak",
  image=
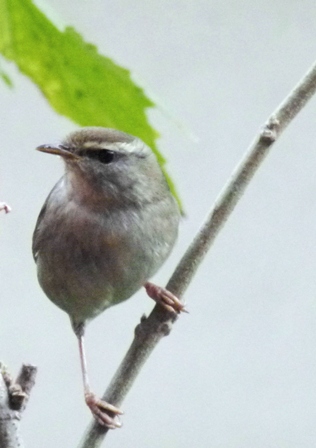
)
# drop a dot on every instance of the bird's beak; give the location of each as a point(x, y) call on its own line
point(59, 150)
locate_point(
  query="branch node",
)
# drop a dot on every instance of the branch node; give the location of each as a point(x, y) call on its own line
point(165, 328)
point(143, 318)
point(269, 133)
point(17, 397)
point(139, 329)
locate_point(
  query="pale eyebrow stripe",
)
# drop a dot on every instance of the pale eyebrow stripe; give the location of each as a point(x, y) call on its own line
point(93, 144)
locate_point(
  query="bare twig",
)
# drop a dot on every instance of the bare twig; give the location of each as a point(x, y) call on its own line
point(13, 399)
point(5, 207)
point(159, 323)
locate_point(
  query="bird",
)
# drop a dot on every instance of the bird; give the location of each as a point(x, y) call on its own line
point(104, 230)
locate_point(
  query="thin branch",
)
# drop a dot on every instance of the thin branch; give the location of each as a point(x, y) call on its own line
point(13, 399)
point(4, 206)
point(149, 332)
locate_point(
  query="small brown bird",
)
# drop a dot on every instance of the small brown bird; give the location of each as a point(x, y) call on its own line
point(106, 227)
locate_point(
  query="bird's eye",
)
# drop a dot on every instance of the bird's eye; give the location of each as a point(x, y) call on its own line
point(102, 155)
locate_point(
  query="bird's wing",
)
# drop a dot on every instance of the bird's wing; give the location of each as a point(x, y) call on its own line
point(36, 242)
point(36, 238)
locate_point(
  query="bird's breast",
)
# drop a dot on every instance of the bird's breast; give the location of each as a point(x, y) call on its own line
point(88, 261)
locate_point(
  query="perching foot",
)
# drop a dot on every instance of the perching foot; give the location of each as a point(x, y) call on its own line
point(99, 410)
point(165, 298)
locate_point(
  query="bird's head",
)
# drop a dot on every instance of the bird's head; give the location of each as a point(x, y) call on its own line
point(111, 162)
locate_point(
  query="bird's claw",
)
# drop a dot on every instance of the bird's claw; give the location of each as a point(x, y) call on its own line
point(100, 410)
point(165, 298)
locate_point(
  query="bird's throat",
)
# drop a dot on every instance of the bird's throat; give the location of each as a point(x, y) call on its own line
point(84, 192)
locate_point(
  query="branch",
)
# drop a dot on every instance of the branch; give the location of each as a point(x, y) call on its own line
point(13, 399)
point(149, 332)
point(5, 207)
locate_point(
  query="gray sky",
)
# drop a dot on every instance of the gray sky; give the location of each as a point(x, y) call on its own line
point(240, 370)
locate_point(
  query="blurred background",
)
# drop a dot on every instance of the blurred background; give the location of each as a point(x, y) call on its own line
point(240, 370)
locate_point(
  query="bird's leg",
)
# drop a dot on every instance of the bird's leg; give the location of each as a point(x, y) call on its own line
point(100, 409)
point(165, 298)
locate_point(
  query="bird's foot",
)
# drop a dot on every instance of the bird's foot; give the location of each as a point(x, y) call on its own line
point(165, 298)
point(101, 411)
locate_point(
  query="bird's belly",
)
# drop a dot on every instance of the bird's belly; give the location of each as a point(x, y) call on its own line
point(89, 270)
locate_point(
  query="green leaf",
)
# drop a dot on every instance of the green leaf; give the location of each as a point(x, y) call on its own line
point(77, 81)
point(6, 79)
